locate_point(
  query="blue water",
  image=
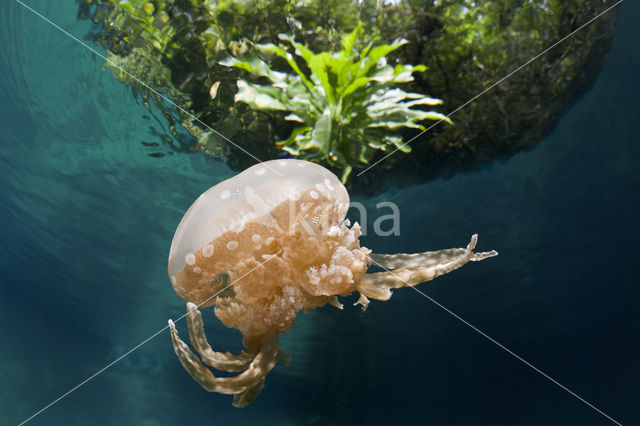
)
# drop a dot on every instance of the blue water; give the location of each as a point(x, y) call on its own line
point(87, 218)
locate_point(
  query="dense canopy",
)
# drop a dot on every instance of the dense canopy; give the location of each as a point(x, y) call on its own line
point(179, 47)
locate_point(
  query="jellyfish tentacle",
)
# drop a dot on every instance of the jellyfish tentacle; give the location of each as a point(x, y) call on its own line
point(362, 301)
point(415, 260)
point(335, 302)
point(250, 378)
point(220, 361)
point(378, 285)
point(476, 257)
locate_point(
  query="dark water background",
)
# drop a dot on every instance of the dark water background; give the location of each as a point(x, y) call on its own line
point(86, 220)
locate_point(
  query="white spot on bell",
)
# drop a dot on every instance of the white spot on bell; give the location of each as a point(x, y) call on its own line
point(224, 195)
point(328, 183)
point(208, 251)
point(232, 245)
point(269, 241)
point(256, 238)
point(314, 195)
point(260, 171)
point(197, 270)
point(190, 259)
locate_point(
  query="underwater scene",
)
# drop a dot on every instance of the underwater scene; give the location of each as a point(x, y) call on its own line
point(367, 212)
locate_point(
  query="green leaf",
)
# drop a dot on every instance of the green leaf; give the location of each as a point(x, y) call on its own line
point(348, 41)
point(355, 85)
point(297, 135)
point(269, 47)
point(321, 135)
point(345, 173)
point(294, 117)
point(384, 75)
point(255, 97)
point(379, 52)
point(355, 91)
point(394, 125)
point(254, 66)
point(319, 66)
point(398, 143)
point(301, 50)
point(423, 101)
point(431, 115)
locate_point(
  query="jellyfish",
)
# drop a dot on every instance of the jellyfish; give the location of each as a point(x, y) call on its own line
point(266, 244)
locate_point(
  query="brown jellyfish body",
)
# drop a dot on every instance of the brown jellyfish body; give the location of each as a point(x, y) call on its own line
point(264, 245)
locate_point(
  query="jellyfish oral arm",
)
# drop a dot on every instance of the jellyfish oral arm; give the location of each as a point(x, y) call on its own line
point(245, 386)
point(218, 360)
point(409, 270)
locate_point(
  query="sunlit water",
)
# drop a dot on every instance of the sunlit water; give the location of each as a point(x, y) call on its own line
point(87, 218)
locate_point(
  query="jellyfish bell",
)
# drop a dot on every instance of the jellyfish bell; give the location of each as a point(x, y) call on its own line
point(251, 216)
point(266, 244)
